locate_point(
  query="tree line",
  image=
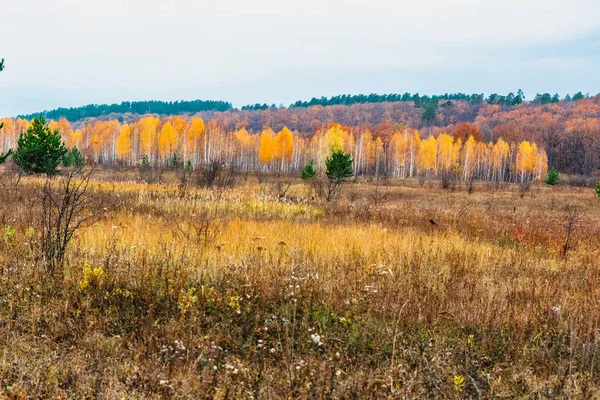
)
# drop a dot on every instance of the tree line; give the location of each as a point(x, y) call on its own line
point(175, 141)
point(134, 107)
point(511, 99)
point(426, 102)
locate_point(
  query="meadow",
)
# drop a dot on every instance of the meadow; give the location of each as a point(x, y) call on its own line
point(261, 290)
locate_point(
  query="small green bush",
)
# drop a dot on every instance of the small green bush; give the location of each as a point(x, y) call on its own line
point(308, 172)
point(553, 177)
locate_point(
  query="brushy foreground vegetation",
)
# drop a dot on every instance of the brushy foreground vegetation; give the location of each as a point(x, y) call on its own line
point(241, 293)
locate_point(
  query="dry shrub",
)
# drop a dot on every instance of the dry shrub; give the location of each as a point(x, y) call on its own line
point(65, 209)
point(217, 174)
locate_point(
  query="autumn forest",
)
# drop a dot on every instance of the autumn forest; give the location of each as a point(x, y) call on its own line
point(492, 140)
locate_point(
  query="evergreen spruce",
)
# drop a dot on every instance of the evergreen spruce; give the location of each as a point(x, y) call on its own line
point(553, 177)
point(145, 161)
point(339, 166)
point(74, 158)
point(39, 150)
point(174, 162)
point(308, 172)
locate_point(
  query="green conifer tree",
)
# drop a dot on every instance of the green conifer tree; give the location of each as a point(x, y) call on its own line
point(553, 177)
point(308, 172)
point(74, 158)
point(39, 150)
point(339, 166)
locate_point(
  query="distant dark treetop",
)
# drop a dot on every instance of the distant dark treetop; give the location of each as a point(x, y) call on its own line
point(134, 107)
point(428, 103)
point(418, 100)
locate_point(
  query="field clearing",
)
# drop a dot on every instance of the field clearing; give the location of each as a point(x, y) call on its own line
point(241, 293)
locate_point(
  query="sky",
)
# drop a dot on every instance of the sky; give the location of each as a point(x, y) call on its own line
point(67, 53)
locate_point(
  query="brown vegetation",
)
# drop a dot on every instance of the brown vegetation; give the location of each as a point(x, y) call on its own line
point(241, 293)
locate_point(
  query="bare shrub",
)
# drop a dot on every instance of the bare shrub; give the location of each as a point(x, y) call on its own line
point(353, 194)
point(276, 186)
point(184, 175)
point(377, 196)
point(325, 188)
point(65, 209)
point(447, 179)
point(201, 230)
point(216, 174)
point(207, 174)
point(524, 188)
point(227, 177)
point(12, 175)
point(421, 178)
point(471, 185)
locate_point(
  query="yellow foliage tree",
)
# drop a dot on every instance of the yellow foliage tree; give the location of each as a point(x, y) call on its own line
point(243, 137)
point(53, 125)
point(195, 133)
point(398, 147)
point(167, 140)
point(179, 124)
point(124, 142)
point(524, 161)
point(77, 138)
point(427, 155)
point(64, 128)
point(446, 154)
point(148, 126)
point(96, 136)
point(267, 146)
point(334, 137)
point(283, 146)
point(22, 125)
point(533, 160)
point(500, 155)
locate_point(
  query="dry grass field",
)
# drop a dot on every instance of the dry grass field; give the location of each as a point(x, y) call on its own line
point(241, 293)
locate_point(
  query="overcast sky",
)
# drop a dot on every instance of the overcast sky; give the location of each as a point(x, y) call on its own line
point(76, 52)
